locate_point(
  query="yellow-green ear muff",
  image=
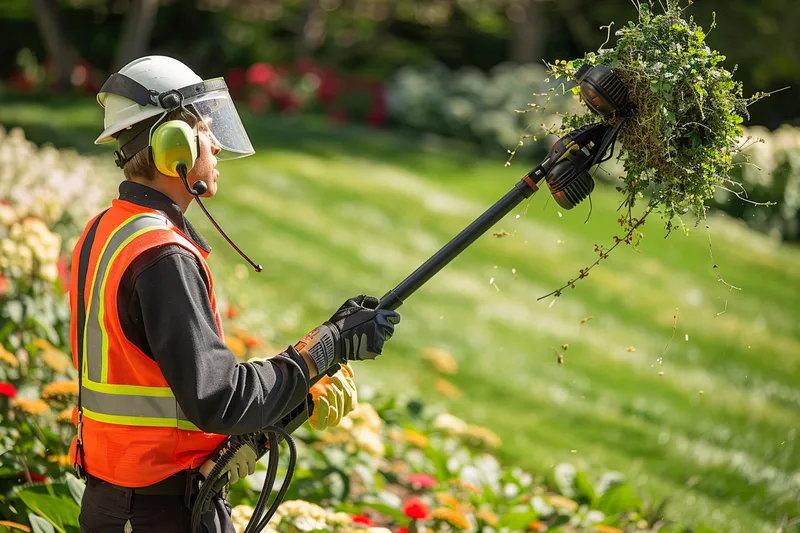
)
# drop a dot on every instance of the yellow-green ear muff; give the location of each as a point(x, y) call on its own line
point(172, 143)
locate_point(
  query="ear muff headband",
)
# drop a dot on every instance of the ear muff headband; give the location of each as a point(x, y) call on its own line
point(174, 142)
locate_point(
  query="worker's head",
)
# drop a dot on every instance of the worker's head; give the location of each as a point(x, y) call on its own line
point(162, 114)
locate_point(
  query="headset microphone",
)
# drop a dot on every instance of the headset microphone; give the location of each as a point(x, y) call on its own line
point(198, 188)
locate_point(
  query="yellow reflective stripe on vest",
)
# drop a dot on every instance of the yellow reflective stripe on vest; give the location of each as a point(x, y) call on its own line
point(133, 405)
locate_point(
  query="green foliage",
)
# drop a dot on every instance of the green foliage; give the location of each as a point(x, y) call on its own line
point(680, 144)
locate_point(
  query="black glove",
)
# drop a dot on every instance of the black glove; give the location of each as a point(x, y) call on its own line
point(355, 332)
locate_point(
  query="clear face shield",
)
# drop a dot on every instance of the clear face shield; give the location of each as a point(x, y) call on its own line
point(217, 111)
point(209, 101)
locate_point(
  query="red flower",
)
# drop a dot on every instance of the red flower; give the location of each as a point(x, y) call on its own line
point(415, 508)
point(3, 285)
point(36, 478)
point(403, 529)
point(63, 274)
point(235, 79)
point(7, 389)
point(423, 480)
point(260, 74)
point(363, 519)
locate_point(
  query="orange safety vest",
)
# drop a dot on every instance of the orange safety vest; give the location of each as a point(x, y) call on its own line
point(133, 431)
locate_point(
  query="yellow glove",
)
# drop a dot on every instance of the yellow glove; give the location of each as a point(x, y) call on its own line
point(334, 397)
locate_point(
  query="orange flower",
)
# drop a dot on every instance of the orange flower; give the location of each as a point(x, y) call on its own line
point(454, 517)
point(65, 415)
point(14, 525)
point(62, 460)
point(232, 312)
point(536, 526)
point(236, 345)
point(56, 360)
point(8, 357)
point(32, 407)
point(481, 436)
point(447, 499)
point(60, 390)
point(487, 516)
point(600, 528)
point(561, 502)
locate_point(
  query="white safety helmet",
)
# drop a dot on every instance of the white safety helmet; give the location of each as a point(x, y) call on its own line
point(138, 97)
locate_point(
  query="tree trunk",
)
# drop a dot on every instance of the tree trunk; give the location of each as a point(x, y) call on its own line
point(136, 31)
point(526, 31)
point(59, 49)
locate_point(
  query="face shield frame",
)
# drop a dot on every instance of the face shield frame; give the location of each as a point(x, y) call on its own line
point(209, 101)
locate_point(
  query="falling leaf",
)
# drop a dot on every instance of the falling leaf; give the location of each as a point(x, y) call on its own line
point(574, 451)
point(564, 346)
point(491, 280)
point(687, 337)
point(587, 319)
point(442, 360)
point(501, 233)
point(630, 349)
point(446, 388)
point(560, 359)
point(701, 392)
point(661, 373)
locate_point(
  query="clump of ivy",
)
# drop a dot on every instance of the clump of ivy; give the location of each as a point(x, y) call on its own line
point(681, 141)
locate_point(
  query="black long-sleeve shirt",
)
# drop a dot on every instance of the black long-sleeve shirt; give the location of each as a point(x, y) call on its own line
point(165, 310)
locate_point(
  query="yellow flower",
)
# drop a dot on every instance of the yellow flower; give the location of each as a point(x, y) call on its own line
point(65, 415)
point(487, 516)
point(43, 345)
point(447, 499)
point(62, 460)
point(448, 389)
point(32, 407)
point(365, 414)
point(368, 441)
point(236, 345)
point(455, 518)
point(460, 485)
point(56, 360)
point(562, 503)
point(415, 438)
point(8, 357)
point(60, 390)
point(482, 436)
point(441, 360)
point(600, 528)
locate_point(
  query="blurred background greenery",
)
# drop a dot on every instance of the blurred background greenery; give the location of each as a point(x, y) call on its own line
point(382, 128)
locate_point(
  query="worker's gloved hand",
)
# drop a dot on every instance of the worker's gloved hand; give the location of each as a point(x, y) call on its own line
point(334, 398)
point(243, 462)
point(357, 331)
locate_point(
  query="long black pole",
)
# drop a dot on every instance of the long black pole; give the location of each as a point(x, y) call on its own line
point(395, 297)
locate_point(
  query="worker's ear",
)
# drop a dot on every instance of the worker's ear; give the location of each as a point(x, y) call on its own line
point(174, 142)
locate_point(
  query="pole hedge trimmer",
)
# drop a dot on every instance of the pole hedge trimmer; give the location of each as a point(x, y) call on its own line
point(565, 169)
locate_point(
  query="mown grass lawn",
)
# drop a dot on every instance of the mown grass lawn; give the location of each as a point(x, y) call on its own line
point(704, 408)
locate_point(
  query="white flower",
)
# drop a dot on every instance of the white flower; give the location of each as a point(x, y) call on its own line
point(449, 423)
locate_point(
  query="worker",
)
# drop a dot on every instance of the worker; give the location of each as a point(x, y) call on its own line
point(159, 391)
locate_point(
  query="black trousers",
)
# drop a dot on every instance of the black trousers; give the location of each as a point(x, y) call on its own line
point(107, 509)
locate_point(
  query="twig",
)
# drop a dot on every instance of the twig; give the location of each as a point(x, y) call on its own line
point(674, 327)
point(723, 311)
point(585, 271)
point(738, 195)
point(711, 251)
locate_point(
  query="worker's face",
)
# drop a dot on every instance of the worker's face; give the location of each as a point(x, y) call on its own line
point(205, 166)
